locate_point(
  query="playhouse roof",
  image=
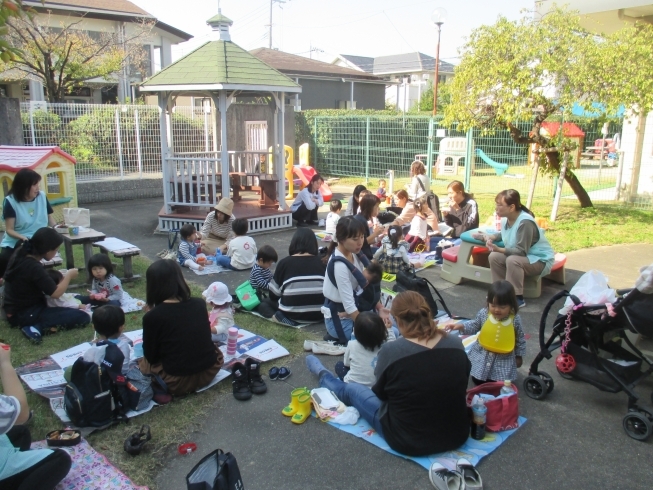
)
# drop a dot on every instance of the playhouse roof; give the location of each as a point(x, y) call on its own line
point(570, 130)
point(15, 158)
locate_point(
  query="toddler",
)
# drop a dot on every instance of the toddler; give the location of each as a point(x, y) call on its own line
point(66, 300)
point(418, 226)
point(261, 274)
point(221, 317)
point(187, 252)
point(109, 323)
point(380, 193)
point(241, 253)
point(498, 352)
point(106, 289)
point(360, 356)
point(393, 253)
point(333, 217)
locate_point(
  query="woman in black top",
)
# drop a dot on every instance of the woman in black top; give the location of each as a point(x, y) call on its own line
point(27, 284)
point(418, 403)
point(461, 212)
point(177, 342)
point(369, 210)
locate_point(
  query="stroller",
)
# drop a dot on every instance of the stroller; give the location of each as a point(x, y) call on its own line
point(591, 342)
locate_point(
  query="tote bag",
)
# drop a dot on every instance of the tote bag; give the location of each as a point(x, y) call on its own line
point(215, 471)
point(502, 413)
point(77, 217)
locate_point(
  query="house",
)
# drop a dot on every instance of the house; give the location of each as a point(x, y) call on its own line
point(100, 16)
point(606, 17)
point(407, 75)
point(324, 85)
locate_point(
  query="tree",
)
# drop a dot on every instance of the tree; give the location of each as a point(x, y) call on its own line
point(533, 70)
point(425, 103)
point(65, 57)
point(8, 9)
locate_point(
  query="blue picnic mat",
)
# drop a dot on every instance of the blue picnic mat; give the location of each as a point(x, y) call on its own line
point(472, 450)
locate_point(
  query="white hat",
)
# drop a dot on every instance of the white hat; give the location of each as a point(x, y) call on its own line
point(217, 293)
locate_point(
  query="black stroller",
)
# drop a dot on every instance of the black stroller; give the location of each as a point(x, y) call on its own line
point(595, 353)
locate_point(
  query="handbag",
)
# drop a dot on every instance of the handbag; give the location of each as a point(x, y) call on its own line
point(409, 281)
point(215, 471)
point(502, 413)
point(77, 217)
point(247, 296)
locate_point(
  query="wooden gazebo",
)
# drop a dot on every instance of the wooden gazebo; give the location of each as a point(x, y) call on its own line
point(194, 182)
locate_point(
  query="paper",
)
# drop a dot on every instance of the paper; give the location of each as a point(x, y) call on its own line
point(69, 356)
point(112, 244)
point(222, 374)
point(268, 351)
point(58, 406)
point(45, 379)
point(135, 335)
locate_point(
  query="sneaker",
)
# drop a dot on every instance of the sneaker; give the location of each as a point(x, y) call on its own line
point(322, 223)
point(443, 478)
point(256, 383)
point(240, 384)
point(328, 348)
point(32, 333)
point(471, 476)
point(284, 320)
point(521, 302)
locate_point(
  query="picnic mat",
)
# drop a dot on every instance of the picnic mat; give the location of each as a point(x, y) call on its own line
point(90, 469)
point(472, 450)
point(273, 320)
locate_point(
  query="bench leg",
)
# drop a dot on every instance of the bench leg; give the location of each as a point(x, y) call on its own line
point(532, 287)
point(127, 267)
point(558, 276)
point(70, 260)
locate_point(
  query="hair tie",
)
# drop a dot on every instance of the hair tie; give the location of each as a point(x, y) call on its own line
point(393, 232)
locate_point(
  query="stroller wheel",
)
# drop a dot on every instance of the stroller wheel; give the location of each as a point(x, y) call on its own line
point(637, 426)
point(535, 387)
point(548, 380)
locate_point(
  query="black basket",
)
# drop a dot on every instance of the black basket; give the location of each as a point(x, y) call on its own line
point(592, 371)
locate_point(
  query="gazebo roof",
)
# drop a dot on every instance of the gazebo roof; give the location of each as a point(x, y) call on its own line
point(219, 65)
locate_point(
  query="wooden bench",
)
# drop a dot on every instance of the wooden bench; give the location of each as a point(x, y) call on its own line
point(55, 262)
point(124, 250)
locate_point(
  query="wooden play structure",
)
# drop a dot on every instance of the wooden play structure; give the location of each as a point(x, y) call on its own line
point(56, 168)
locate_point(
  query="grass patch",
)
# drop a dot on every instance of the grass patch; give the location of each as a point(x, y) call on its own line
point(170, 424)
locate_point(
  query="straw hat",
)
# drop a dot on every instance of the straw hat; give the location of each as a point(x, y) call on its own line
point(225, 206)
point(217, 293)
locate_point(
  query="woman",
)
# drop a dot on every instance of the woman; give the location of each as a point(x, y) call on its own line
point(296, 288)
point(24, 210)
point(308, 200)
point(419, 184)
point(418, 401)
point(27, 284)
point(369, 210)
point(526, 251)
point(462, 211)
point(177, 342)
point(339, 295)
point(400, 201)
point(408, 212)
point(352, 205)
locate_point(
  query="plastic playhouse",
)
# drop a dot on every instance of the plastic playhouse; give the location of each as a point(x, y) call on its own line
point(57, 170)
point(300, 175)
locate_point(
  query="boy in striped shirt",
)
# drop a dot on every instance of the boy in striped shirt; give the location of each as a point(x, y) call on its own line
point(261, 274)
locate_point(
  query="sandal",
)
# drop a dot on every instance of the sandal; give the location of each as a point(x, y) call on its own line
point(134, 443)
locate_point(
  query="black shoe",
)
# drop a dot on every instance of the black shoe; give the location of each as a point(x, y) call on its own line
point(256, 383)
point(312, 223)
point(301, 224)
point(240, 384)
point(134, 443)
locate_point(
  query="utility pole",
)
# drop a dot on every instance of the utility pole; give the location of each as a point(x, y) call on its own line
point(272, 2)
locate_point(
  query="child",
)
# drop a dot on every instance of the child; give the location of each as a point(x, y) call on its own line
point(241, 253)
point(106, 289)
point(380, 193)
point(261, 274)
point(221, 317)
point(366, 296)
point(187, 252)
point(360, 357)
point(418, 226)
point(66, 300)
point(393, 253)
point(500, 346)
point(333, 217)
point(109, 323)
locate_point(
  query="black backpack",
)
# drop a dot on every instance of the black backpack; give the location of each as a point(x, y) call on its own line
point(433, 202)
point(91, 398)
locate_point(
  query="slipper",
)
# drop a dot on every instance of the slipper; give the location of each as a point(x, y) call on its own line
point(284, 373)
point(443, 478)
point(134, 443)
point(273, 373)
point(470, 474)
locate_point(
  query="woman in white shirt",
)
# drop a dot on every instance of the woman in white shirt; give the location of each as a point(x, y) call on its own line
point(419, 184)
point(309, 199)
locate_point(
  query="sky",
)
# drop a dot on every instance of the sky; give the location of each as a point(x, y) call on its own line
point(331, 27)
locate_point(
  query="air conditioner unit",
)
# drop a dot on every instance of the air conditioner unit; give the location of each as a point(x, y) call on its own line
point(426, 76)
point(414, 78)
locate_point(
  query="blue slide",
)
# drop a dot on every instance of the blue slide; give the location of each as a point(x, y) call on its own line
point(499, 168)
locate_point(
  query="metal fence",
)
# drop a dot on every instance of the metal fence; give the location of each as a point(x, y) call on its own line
point(369, 146)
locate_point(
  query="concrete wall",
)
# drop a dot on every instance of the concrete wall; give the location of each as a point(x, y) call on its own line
point(11, 128)
point(118, 190)
point(326, 94)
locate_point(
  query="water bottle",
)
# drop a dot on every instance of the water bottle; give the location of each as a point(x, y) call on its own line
point(506, 389)
point(497, 222)
point(479, 412)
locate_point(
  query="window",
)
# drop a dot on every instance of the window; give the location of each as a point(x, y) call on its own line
point(54, 179)
point(157, 58)
point(4, 90)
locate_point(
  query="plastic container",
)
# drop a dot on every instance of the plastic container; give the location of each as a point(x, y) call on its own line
point(506, 389)
point(247, 296)
point(63, 438)
point(479, 414)
point(232, 341)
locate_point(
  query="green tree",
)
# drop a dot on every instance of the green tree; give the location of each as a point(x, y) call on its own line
point(425, 103)
point(8, 9)
point(532, 70)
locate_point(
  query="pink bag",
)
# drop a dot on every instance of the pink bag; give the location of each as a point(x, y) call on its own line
point(502, 413)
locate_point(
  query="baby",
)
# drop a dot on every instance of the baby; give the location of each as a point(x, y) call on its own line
point(365, 296)
point(380, 193)
point(221, 317)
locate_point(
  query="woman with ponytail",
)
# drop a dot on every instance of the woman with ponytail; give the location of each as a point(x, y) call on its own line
point(27, 284)
point(418, 401)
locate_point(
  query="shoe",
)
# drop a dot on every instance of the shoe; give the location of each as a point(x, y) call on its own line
point(292, 408)
point(284, 373)
point(443, 478)
point(240, 384)
point(273, 373)
point(256, 383)
point(134, 443)
point(32, 333)
point(303, 409)
point(521, 302)
point(312, 223)
point(471, 476)
point(335, 340)
point(328, 348)
point(322, 223)
point(284, 320)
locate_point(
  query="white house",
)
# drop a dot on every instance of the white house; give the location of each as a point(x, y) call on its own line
point(407, 74)
point(100, 16)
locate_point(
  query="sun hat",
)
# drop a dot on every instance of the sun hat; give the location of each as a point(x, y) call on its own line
point(225, 206)
point(217, 293)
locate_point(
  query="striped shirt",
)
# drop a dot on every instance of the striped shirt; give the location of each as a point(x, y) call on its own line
point(186, 251)
point(214, 229)
point(259, 277)
point(297, 285)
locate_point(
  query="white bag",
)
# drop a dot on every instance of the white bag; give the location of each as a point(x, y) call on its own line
point(592, 289)
point(77, 217)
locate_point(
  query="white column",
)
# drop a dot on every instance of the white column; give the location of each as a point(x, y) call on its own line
point(163, 121)
point(281, 169)
point(224, 156)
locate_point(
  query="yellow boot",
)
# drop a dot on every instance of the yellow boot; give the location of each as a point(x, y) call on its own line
point(291, 409)
point(304, 410)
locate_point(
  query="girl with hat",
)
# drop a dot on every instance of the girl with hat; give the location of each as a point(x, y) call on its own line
point(221, 317)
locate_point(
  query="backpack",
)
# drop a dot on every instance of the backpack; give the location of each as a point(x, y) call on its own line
point(409, 281)
point(91, 398)
point(433, 202)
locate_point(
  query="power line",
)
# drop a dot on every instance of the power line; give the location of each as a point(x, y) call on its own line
point(398, 32)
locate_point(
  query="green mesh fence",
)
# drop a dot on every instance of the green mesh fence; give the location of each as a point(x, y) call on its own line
point(369, 146)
